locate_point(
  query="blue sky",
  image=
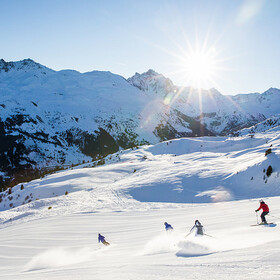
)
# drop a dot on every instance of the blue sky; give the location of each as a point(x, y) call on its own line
point(129, 36)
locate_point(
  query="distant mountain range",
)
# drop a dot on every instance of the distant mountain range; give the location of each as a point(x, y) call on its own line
point(53, 118)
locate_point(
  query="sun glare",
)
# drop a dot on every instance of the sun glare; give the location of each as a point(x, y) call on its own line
point(200, 68)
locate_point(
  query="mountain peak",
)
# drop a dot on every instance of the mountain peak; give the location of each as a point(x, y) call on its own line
point(25, 64)
point(272, 91)
point(151, 80)
point(3, 65)
point(151, 72)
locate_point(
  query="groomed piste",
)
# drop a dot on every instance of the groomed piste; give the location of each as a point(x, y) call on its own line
point(53, 233)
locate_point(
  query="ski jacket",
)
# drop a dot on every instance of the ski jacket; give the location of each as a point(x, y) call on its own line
point(199, 229)
point(168, 226)
point(264, 207)
point(101, 238)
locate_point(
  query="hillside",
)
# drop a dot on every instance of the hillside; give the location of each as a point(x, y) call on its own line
point(269, 124)
point(187, 170)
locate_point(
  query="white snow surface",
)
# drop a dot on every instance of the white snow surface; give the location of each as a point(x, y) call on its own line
point(130, 197)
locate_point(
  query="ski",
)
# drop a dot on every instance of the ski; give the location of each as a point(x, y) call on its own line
point(268, 224)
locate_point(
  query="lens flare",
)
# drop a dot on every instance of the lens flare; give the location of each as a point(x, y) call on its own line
point(199, 64)
point(200, 67)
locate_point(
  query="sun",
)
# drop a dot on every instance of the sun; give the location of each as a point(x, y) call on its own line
point(199, 67)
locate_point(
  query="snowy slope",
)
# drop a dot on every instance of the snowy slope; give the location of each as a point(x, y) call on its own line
point(65, 247)
point(54, 236)
point(181, 170)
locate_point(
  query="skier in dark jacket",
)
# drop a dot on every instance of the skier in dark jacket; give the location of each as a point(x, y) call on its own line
point(265, 209)
point(168, 226)
point(101, 239)
point(199, 228)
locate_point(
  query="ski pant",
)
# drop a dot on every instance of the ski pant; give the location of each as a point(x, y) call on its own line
point(263, 217)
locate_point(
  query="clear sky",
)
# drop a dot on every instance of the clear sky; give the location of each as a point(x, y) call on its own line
point(236, 41)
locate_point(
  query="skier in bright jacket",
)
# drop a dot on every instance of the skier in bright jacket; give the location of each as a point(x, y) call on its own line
point(168, 226)
point(101, 239)
point(265, 209)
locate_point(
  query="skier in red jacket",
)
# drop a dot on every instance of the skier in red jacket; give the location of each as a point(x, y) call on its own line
point(265, 209)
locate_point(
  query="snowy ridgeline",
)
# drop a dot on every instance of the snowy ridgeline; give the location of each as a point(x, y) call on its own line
point(51, 229)
point(59, 118)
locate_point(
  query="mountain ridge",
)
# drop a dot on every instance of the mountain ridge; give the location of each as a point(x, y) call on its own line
point(55, 118)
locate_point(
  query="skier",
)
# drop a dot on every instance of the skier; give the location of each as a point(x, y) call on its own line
point(265, 209)
point(101, 239)
point(168, 226)
point(199, 228)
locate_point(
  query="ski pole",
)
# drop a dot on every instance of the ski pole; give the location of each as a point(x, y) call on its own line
point(209, 235)
point(190, 232)
point(257, 218)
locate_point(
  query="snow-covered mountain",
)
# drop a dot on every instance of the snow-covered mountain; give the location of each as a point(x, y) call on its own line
point(59, 118)
point(219, 113)
point(266, 125)
point(51, 118)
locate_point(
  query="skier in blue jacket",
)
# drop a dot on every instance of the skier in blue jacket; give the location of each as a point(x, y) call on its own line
point(168, 226)
point(101, 239)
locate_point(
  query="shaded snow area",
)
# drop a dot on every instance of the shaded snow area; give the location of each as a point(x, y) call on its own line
point(51, 230)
